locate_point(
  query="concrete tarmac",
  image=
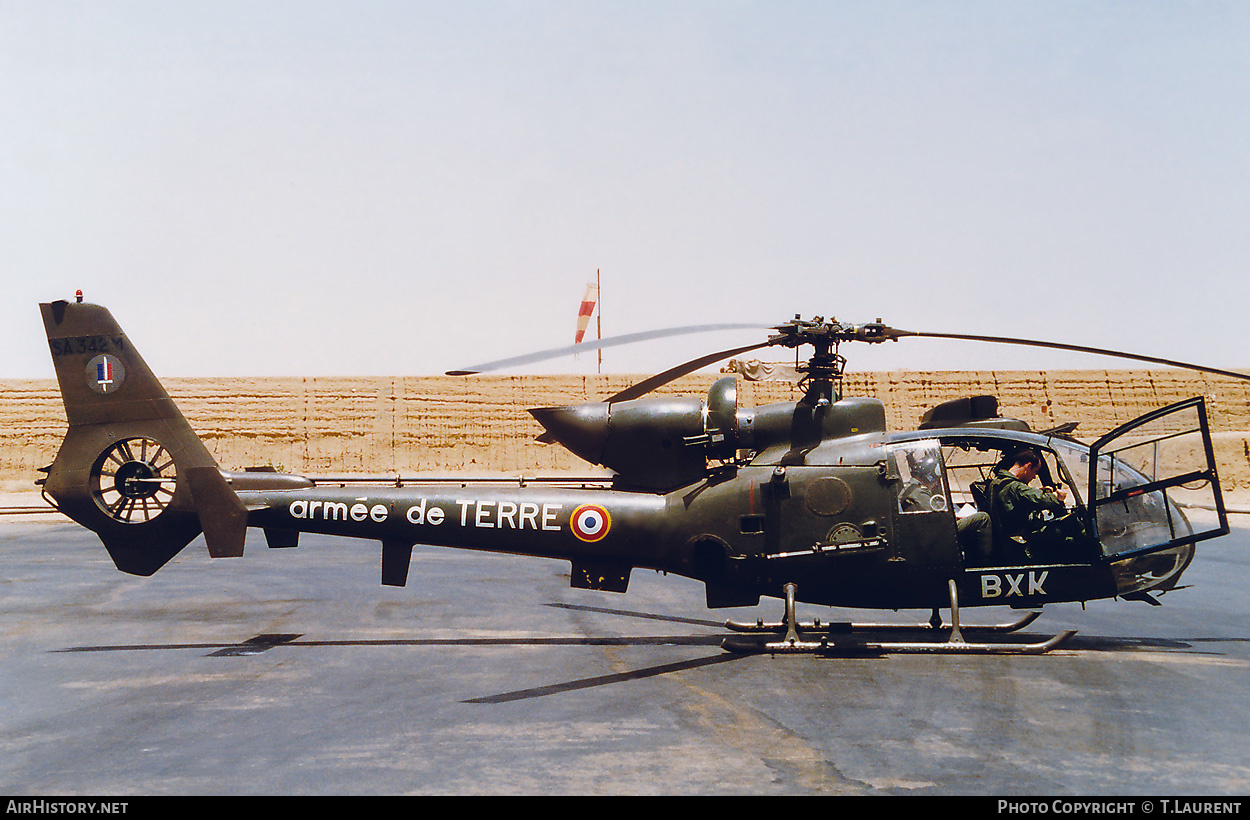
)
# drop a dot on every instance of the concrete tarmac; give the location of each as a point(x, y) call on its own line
point(295, 672)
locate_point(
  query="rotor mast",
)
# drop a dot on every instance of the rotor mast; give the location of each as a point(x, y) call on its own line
point(822, 373)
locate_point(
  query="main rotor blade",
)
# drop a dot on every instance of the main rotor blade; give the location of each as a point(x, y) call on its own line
point(673, 373)
point(611, 341)
point(1119, 354)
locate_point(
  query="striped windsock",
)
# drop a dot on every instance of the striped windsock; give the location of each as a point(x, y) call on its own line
point(588, 307)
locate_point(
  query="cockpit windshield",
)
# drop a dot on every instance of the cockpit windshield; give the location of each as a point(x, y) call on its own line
point(1137, 520)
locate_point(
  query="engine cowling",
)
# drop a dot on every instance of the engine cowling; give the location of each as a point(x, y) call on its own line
point(663, 442)
point(655, 443)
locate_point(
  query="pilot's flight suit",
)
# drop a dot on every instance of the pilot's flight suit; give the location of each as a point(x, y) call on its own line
point(1018, 502)
point(1039, 518)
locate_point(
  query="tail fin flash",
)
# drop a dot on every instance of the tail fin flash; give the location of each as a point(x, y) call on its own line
point(130, 467)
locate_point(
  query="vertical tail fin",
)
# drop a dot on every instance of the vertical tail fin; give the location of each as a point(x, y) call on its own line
point(130, 468)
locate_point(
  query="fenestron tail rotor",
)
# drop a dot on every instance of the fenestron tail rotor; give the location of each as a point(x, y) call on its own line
point(133, 481)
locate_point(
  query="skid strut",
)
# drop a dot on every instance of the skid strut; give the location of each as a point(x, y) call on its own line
point(841, 638)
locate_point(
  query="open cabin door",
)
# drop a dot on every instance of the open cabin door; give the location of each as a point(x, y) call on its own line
point(1140, 473)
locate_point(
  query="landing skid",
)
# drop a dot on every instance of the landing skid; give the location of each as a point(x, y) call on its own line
point(841, 638)
point(760, 626)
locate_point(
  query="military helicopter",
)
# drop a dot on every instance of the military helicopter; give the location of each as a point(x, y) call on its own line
point(809, 501)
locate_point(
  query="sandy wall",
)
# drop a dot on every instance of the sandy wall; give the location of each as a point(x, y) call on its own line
point(479, 425)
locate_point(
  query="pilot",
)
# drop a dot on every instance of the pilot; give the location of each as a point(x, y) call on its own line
point(1022, 511)
point(923, 491)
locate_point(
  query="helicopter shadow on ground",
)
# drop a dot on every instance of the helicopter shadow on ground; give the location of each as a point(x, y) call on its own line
point(264, 642)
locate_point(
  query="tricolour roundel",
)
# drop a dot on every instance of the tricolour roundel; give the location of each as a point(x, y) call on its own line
point(590, 522)
point(105, 373)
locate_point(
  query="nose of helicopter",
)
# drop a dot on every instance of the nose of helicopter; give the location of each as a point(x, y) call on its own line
point(582, 428)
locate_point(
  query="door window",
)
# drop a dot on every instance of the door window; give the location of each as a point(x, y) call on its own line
point(1143, 470)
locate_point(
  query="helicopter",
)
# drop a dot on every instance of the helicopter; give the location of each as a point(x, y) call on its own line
point(810, 501)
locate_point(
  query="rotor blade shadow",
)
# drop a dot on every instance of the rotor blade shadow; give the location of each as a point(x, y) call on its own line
point(261, 643)
point(604, 680)
point(1112, 643)
point(645, 615)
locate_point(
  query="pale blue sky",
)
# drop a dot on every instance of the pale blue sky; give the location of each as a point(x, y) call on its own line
point(352, 188)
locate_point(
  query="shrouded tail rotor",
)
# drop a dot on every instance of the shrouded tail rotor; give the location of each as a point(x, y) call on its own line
point(134, 480)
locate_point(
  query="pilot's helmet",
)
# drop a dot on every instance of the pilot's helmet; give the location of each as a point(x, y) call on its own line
point(924, 469)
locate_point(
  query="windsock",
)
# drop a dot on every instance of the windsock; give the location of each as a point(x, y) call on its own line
point(588, 307)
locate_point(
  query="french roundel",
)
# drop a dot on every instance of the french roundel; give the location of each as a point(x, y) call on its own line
point(590, 522)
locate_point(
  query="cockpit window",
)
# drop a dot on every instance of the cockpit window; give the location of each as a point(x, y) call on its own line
point(921, 485)
point(970, 461)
